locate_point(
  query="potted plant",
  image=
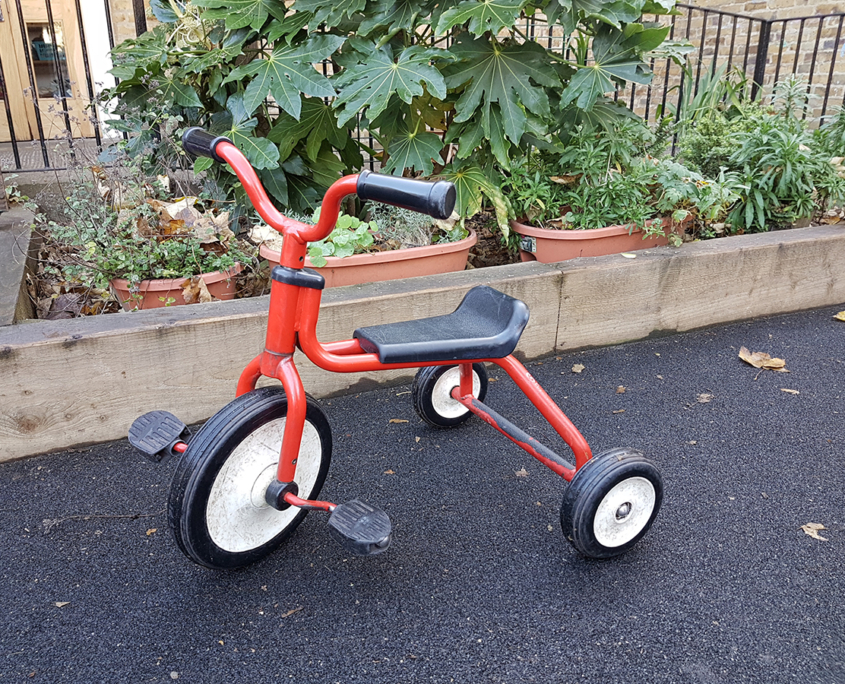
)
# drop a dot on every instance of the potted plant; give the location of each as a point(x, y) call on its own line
point(393, 243)
point(606, 195)
point(118, 237)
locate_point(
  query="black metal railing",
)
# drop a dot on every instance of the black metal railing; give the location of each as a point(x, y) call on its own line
point(761, 51)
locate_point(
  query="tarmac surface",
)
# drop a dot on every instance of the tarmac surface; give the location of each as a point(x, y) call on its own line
point(479, 584)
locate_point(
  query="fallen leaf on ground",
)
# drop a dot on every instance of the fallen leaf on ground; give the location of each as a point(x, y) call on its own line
point(61, 604)
point(152, 530)
point(292, 611)
point(762, 360)
point(577, 368)
point(812, 529)
point(789, 391)
point(620, 390)
point(522, 472)
point(840, 316)
point(704, 398)
point(620, 411)
point(416, 439)
point(389, 472)
point(397, 420)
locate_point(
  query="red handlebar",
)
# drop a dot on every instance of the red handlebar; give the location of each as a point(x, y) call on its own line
point(301, 232)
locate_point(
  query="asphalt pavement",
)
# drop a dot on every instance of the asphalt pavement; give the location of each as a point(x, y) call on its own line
point(479, 585)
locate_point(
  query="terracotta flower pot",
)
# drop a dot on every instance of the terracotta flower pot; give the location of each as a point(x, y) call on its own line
point(156, 292)
point(548, 246)
point(399, 263)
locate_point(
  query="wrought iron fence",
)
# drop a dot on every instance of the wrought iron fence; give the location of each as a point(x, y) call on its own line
point(762, 50)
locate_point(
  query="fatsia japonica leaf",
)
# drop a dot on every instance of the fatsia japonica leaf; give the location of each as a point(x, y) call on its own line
point(413, 150)
point(481, 16)
point(317, 122)
point(616, 54)
point(569, 12)
point(286, 72)
point(472, 184)
point(242, 13)
point(390, 15)
point(289, 27)
point(173, 88)
point(371, 84)
point(330, 12)
point(495, 73)
point(260, 152)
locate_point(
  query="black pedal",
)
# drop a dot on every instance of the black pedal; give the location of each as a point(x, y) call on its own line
point(156, 433)
point(359, 528)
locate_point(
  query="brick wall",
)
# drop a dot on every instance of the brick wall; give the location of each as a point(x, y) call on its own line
point(123, 19)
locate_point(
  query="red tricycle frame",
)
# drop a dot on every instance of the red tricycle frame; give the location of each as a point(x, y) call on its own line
point(292, 323)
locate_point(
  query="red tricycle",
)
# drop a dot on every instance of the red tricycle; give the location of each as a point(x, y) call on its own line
point(253, 471)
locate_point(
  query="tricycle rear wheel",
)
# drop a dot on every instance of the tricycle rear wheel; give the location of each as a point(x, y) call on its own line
point(611, 503)
point(432, 394)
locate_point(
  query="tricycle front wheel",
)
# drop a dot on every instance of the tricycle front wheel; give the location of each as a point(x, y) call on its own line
point(216, 508)
point(611, 503)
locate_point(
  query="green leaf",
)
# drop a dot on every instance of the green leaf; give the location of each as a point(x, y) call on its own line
point(330, 12)
point(289, 27)
point(371, 84)
point(276, 183)
point(174, 89)
point(327, 168)
point(390, 15)
point(472, 184)
point(195, 64)
point(163, 10)
point(202, 164)
point(262, 154)
point(413, 150)
point(317, 122)
point(288, 71)
point(242, 13)
point(617, 55)
point(499, 74)
point(481, 15)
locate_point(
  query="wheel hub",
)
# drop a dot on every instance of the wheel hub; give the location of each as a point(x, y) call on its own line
point(624, 511)
point(259, 487)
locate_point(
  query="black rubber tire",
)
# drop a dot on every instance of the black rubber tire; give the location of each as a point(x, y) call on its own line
point(207, 455)
point(423, 388)
point(583, 499)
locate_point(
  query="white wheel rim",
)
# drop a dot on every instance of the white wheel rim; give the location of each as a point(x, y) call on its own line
point(237, 517)
point(441, 395)
point(624, 512)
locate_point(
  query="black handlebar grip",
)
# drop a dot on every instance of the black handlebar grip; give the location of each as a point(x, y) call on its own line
point(435, 198)
point(201, 143)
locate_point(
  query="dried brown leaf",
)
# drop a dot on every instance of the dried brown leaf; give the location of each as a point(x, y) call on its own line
point(389, 472)
point(620, 411)
point(61, 604)
point(789, 391)
point(522, 472)
point(762, 360)
point(812, 530)
point(704, 398)
point(577, 368)
point(397, 420)
point(840, 316)
point(620, 390)
point(194, 290)
point(152, 530)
